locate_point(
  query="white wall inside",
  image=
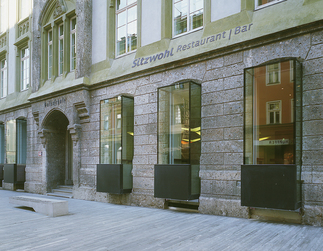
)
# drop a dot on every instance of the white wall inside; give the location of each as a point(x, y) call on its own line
point(99, 30)
point(151, 21)
point(224, 8)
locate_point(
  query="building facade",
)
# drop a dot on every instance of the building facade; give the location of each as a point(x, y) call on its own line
point(206, 104)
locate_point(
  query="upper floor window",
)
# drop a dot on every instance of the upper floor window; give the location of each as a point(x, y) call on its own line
point(261, 3)
point(3, 78)
point(73, 43)
point(50, 52)
point(3, 15)
point(24, 8)
point(126, 26)
point(187, 15)
point(60, 49)
point(25, 68)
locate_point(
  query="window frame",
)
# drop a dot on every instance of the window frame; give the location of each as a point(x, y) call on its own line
point(268, 112)
point(188, 30)
point(49, 57)
point(268, 72)
point(118, 12)
point(257, 6)
point(60, 47)
point(22, 60)
point(72, 32)
point(3, 74)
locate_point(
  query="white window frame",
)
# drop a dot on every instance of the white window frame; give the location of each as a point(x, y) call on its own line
point(24, 85)
point(268, 72)
point(72, 33)
point(125, 9)
point(4, 77)
point(188, 29)
point(257, 7)
point(60, 49)
point(49, 57)
point(3, 16)
point(24, 9)
point(268, 111)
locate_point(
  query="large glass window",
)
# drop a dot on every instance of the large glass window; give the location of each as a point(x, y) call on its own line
point(179, 124)
point(16, 141)
point(3, 78)
point(25, 68)
point(60, 49)
point(73, 43)
point(117, 130)
point(126, 31)
point(187, 15)
point(271, 130)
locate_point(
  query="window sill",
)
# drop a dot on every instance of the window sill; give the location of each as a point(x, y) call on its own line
point(126, 54)
point(188, 32)
point(268, 4)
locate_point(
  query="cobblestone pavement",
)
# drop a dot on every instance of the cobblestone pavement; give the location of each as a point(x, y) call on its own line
point(102, 226)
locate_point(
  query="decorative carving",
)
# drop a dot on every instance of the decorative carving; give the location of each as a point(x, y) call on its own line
point(3, 40)
point(23, 28)
point(36, 118)
point(43, 136)
point(83, 112)
point(75, 131)
point(60, 8)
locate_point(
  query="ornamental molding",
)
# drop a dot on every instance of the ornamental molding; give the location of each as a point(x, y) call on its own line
point(60, 8)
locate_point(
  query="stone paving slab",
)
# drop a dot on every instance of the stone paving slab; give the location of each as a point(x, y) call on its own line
point(102, 226)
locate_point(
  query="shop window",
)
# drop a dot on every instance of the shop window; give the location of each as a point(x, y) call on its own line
point(16, 150)
point(24, 68)
point(73, 43)
point(3, 78)
point(272, 131)
point(179, 141)
point(187, 15)
point(264, 3)
point(2, 144)
point(116, 145)
point(126, 26)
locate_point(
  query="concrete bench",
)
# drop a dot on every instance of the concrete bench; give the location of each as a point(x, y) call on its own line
point(49, 207)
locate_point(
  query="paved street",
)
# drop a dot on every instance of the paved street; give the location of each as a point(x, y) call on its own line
point(101, 226)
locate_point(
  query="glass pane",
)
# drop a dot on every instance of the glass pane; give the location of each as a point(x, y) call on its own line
point(196, 5)
point(122, 18)
point(131, 1)
point(11, 142)
point(121, 4)
point(121, 40)
point(261, 2)
point(61, 56)
point(21, 141)
point(50, 58)
point(174, 127)
point(180, 17)
point(127, 130)
point(132, 36)
point(132, 14)
point(60, 30)
point(73, 52)
point(110, 133)
point(196, 20)
point(73, 24)
point(269, 130)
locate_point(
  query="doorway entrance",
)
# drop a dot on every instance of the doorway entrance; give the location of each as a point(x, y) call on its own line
point(59, 151)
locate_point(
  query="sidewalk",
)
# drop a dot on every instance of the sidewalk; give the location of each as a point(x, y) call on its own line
point(101, 226)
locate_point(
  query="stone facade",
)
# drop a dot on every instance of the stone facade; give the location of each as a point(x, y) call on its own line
point(75, 111)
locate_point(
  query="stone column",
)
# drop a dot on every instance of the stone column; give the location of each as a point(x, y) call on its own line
point(75, 131)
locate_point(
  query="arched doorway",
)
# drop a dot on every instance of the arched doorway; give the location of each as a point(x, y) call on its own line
point(59, 150)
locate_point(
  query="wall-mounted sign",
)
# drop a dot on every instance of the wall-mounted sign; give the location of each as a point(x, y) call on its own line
point(275, 142)
point(192, 44)
point(55, 102)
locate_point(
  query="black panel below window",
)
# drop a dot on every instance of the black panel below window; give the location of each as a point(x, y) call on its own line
point(270, 186)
